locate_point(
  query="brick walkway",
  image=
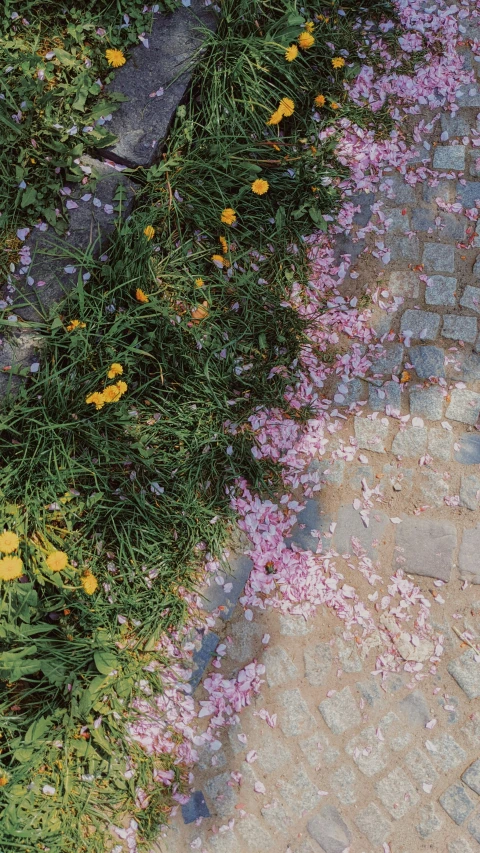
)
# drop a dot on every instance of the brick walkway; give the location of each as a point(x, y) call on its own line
point(355, 762)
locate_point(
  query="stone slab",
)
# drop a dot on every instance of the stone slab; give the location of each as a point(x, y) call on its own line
point(449, 157)
point(428, 361)
point(237, 571)
point(429, 546)
point(222, 795)
point(142, 122)
point(438, 257)
point(397, 793)
point(470, 491)
point(469, 193)
point(459, 328)
point(440, 444)
point(404, 283)
point(389, 394)
point(406, 249)
point(469, 556)
point(340, 711)
point(471, 298)
point(195, 808)
point(457, 803)
point(468, 452)
point(389, 362)
point(441, 291)
point(330, 831)
point(466, 672)
point(202, 657)
point(471, 777)
point(371, 434)
point(350, 524)
point(410, 442)
point(422, 325)
point(464, 406)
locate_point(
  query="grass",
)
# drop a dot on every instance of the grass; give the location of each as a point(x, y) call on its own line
point(130, 491)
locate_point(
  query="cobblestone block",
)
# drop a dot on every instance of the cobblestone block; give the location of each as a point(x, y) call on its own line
point(348, 656)
point(276, 817)
point(279, 666)
point(299, 792)
point(464, 406)
point(456, 125)
point(434, 487)
point(427, 403)
point(397, 793)
point(442, 291)
point(468, 558)
point(396, 737)
point(350, 524)
point(343, 783)
point(471, 298)
point(469, 449)
point(309, 519)
point(318, 752)
point(421, 767)
point(402, 192)
point(331, 472)
point(202, 656)
point(414, 709)
point(430, 821)
point(195, 808)
point(350, 392)
point(295, 718)
point(398, 477)
point(255, 838)
point(368, 752)
point(303, 847)
point(460, 845)
point(423, 219)
point(340, 711)
point(447, 753)
point(470, 96)
point(272, 755)
point(370, 692)
point(222, 795)
point(440, 444)
point(293, 626)
point(318, 662)
point(474, 827)
point(437, 257)
point(359, 473)
point(374, 824)
point(471, 777)
point(410, 442)
point(246, 636)
point(469, 193)
point(476, 268)
point(428, 361)
point(466, 672)
point(404, 283)
point(439, 189)
point(330, 831)
point(398, 222)
point(428, 545)
point(388, 394)
point(390, 362)
point(452, 227)
point(371, 434)
point(469, 491)
point(422, 325)
point(406, 249)
point(223, 843)
point(457, 803)
point(470, 368)
point(449, 157)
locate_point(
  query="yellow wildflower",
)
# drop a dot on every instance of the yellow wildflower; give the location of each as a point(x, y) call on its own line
point(223, 244)
point(9, 541)
point(260, 187)
point(3, 780)
point(291, 53)
point(112, 393)
point(287, 106)
point(305, 40)
point(149, 232)
point(57, 561)
point(10, 568)
point(75, 324)
point(334, 105)
point(115, 58)
point(97, 399)
point(140, 296)
point(228, 216)
point(115, 370)
point(199, 282)
point(320, 101)
point(218, 260)
point(338, 62)
point(309, 26)
point(89, 582)
point(275, 118)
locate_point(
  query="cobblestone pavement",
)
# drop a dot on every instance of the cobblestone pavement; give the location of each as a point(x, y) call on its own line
point(355, 762)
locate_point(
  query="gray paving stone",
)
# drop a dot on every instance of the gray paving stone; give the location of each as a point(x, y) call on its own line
point(469, 491)
point(344, 245)
point(350, 524)
point(374, 824)
point(406, 249)
point(437, 257)
point(441, 189)
point(468, 558)
point(434, 487)
point(402, 192)
point(202, 657)
point(474, 827)
point(371, 434)
point(459, 328)
point(389, 394)
point(449, 157)
point(318, 752)
point(476, 268)
point(471, 298)
point(429, 546)
point(469, 449)
point(447, 753)
point(440, 444)
point(410, 442)
point(397, 793)
point(442, 291)
point(428, 361)
point(460, 845)
point(359, 473)
point(348, 656)
point(470, 368)
point(471, 777)
point(398, 477)
point(303, 847)
point(223, 797)
point(457, 803)
point(298, 792)
point(414, 709)
point(255, 838)
point(423, 219)
point(294, 626)
point(294, 718)
point(470, 96)
point(390, 362)
point(272, 754)
point(195, 807)
point(456, 125)
point(422, 325)
point(466, 672)
point(238, 572)
point(318, 662)
point(427, 403)
point(368, 752)
point(469, 193)
point(364, 201)
point(356, 390)
point(343, 783)
point(452, 227)
point(275, 815)
point(370, 692)
point(464, 406)
point(340, 711)
point(279, 666)
point(404, 283)
point(398, 222)
point(246, 638)
point(331, 472)
point(223, 843)
point(430, 821)
point(396, 736)
point(330, 831)
point(420, 767)
point(310, 518)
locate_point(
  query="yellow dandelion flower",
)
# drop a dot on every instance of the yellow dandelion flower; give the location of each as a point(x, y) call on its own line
point(223, 244)
point(149, 232)
point(199, 282)
point(275, 118)
point(140, 296)
point(291, 53)
point(309, 26)
point(228, 216)
point(97, 399)
point(112, 393)
point(115, 370)
point(320, 101)
point(57, 561)
point(305, 40)
point(89, 582)
point(287, 106)
point(3, 781)
point(115, 58)
point(334, 105)
point(338, 62)
point(260, 187)
point(75, 324)
point(9, 541)
point(10, 568)
point(218, 260)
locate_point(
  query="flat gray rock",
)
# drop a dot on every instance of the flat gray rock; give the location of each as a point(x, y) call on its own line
point(464, 406)
point(457, 803)
point(350, 525)
point(471, 777)
point(142, 122)
point(330, 830)
point(469, 449)
point(438, 257)
point(470, 491)
point(469, 556)
point(460, 328)
point(428, 546)
point(388, 394)
point(428, 361)
point(422, 325)
point(390, 362)
point(441, 291)
point(405, 249)
point(340, 711)
point(471, 298)
point(371, 434)
point(410, 442)
point(466, 672)
point(449, 157)
point(427, 403)
point(404, 283)
point(469, 193)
